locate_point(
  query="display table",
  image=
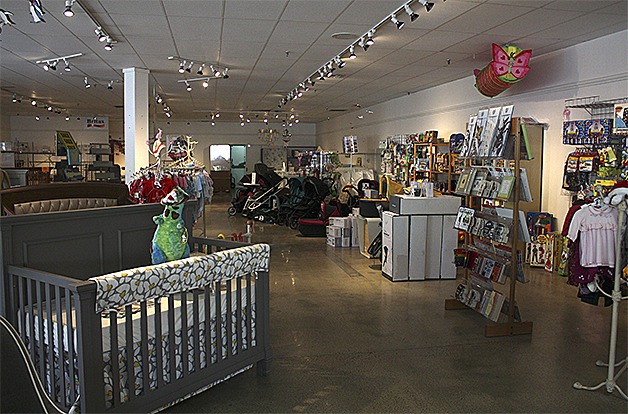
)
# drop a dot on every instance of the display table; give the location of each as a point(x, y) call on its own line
point(368, 229)
point(418, 238)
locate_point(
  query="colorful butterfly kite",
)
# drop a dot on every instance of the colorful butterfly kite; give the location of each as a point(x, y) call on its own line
point(509, 66)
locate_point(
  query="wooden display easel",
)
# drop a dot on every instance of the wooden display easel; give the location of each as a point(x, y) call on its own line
point(511, 326)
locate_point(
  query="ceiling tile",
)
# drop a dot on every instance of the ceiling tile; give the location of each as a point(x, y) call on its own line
point(479, 44)
point(580, 5)
point(242, 31)
point(437, 40)
point(484, 16)
point(581, 25)
point(135, 8)
point(323, 11)
point(193, 8)
point(254, 9)
point(298, 32)
point(195, 28)
point(142, 25)
point(532, 22)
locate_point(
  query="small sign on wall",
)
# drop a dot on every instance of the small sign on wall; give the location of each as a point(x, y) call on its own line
point(96, 122)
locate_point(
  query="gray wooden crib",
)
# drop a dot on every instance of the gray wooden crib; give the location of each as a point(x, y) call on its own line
point(125, 336)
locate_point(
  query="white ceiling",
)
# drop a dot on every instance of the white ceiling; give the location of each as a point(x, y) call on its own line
point(251, 37)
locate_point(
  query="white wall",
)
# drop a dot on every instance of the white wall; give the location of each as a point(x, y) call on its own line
point(25, 128)
point(5, 126)
point(303, 135)
point(598, 67)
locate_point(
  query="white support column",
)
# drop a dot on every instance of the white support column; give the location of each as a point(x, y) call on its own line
point(135, 120)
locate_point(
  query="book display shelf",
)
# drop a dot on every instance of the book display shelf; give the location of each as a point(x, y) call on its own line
point(493, 184)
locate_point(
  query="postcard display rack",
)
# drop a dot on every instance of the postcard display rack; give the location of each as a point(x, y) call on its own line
point(494, 142)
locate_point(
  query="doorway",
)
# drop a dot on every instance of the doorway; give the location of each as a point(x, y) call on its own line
point(238, 164)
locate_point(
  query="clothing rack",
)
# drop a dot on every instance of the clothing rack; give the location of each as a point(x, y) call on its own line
point(611, 379)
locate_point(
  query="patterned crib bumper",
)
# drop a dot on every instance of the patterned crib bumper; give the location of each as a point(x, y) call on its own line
point(130, 286)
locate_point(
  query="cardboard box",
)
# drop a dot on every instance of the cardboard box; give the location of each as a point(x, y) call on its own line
point(334, 241)
point(409, 205)
point(346, 242)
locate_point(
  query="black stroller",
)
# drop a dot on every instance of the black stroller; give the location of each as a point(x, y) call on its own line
point(314, 192)
point(263, 204)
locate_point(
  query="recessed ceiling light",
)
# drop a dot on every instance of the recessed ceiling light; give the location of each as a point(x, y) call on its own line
point(344, 36)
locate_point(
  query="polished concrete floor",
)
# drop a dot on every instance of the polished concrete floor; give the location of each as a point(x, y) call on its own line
point(347, 340)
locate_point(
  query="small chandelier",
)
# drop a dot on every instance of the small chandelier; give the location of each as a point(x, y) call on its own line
point(286, 136)
point(268, 136)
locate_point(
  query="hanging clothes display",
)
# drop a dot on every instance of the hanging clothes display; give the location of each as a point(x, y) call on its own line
point(150, 186)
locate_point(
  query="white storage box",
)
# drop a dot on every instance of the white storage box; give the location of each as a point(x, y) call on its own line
point(336, 231)
point(410, 205)
point(340, 221)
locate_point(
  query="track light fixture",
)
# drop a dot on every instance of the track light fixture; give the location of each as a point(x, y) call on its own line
point(365, 41)
point(67, 118)
point(109, 44)
point(363, 44)
point(51, 64)
point(14, 98)
point(87, 84)
point(187, 86)
point(50, 108)
point(216, 70)
point(100, 34)
point(110, 85)
point(205, 83)
point(37, 118)
point(68, 8)
point(428, 6)
point(397, 23)
point(413, 16)
point(33, 102)
point(369, 37)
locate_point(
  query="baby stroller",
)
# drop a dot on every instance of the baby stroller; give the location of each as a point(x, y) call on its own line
point(263, 204)
point(296, 195)
point(314, 192)
point(244, 189)
point(316, 227)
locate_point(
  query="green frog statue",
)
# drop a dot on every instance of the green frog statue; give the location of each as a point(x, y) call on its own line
point(170, 241)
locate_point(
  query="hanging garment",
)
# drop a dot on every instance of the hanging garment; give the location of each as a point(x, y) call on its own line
point(596, 227)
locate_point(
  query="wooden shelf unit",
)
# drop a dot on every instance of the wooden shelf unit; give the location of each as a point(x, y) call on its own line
point(511, 326)
point(429, 153)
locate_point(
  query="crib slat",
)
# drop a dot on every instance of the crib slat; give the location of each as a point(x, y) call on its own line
point(115, 358)
point(218, 323)
point(60, 346)
point(171, 330)
point(238, 282)
point(40, 328)
point(51, 361)
point(69, 326)
point(249, 314)
point(208, 325)
point(184, 334)
point(229, 318)
point(158, 344)
point(27, 307)
point(197, 340)
point(144, 346)
point(12, 315)
point(130, 360)
point(22, 310)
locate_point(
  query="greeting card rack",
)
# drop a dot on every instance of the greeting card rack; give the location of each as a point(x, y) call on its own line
point(505, 320)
